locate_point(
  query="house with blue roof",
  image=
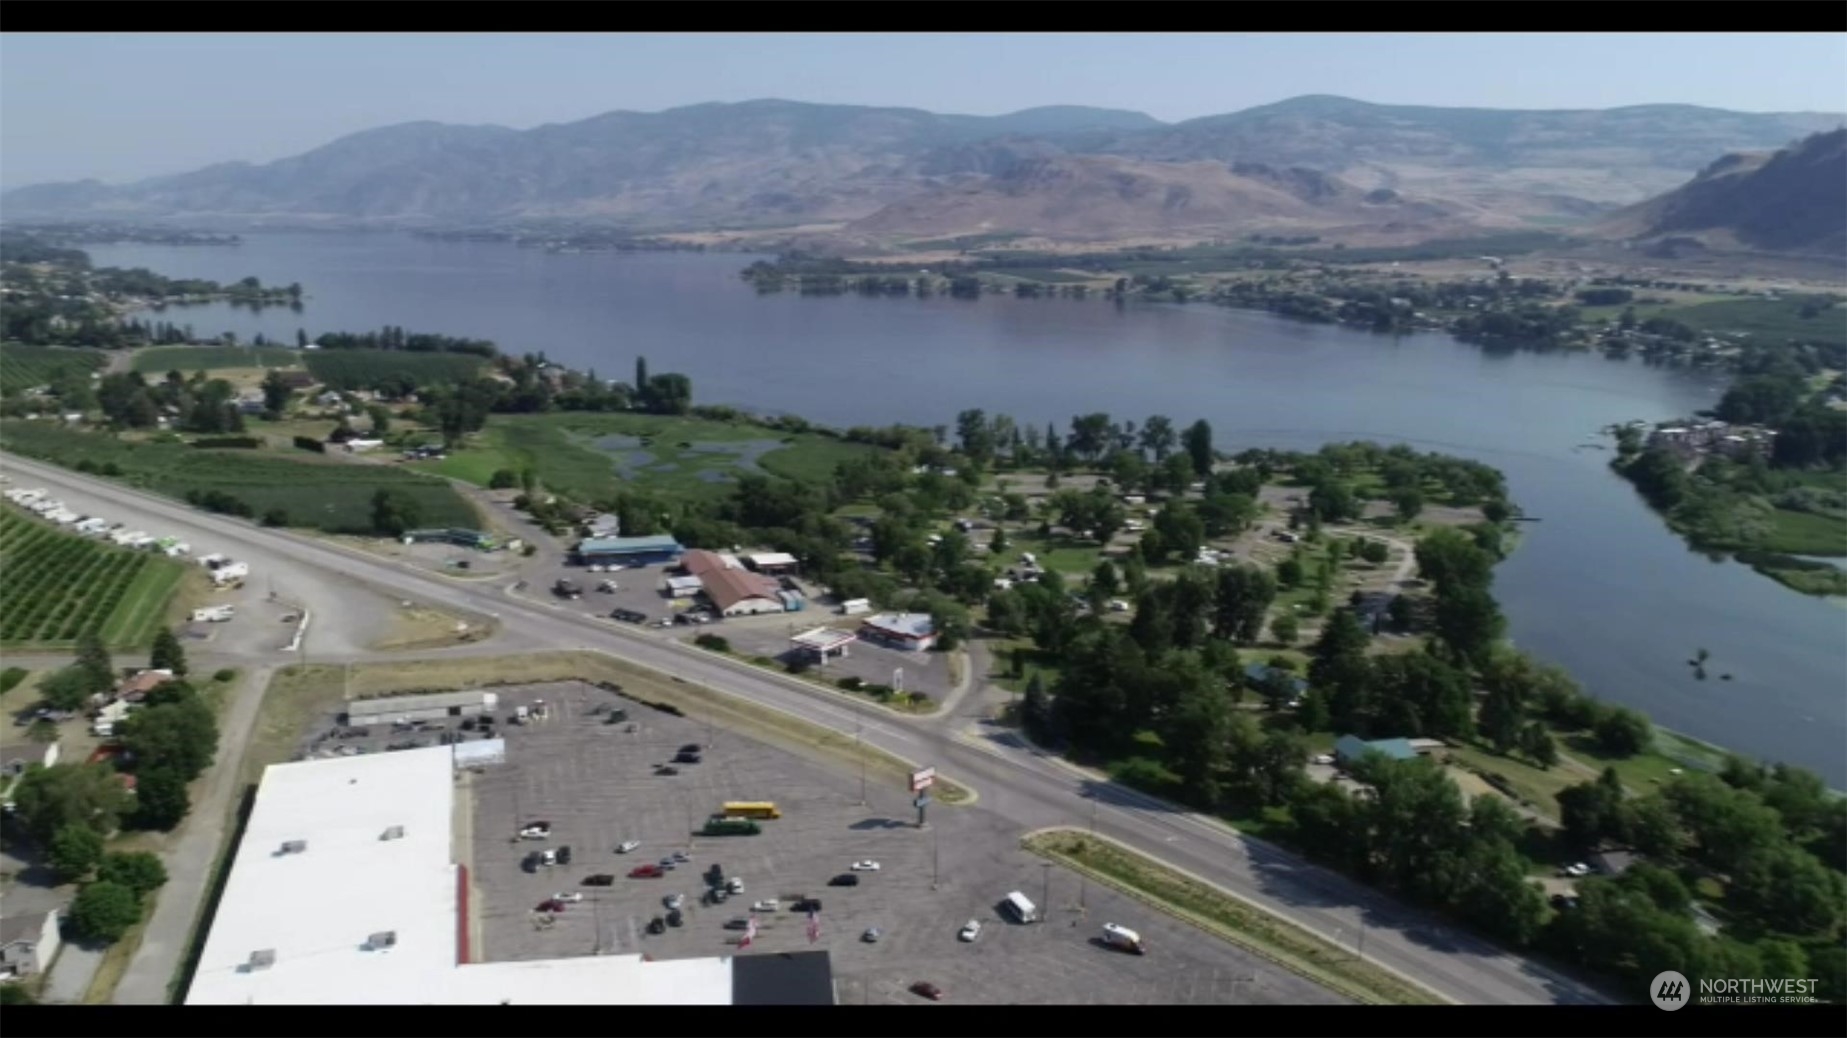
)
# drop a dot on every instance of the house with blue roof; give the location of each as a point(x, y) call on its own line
point(1256, 674)
point(630, 551)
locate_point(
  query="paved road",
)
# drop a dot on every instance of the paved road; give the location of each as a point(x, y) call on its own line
point(1029, 789)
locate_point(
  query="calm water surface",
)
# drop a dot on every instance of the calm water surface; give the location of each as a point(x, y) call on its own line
point(1599, 586)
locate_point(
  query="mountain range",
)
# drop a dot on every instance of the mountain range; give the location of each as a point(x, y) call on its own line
point(878, 174)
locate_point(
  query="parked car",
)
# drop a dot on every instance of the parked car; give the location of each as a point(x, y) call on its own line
point(564, 855)
point(536, 831)
point(845, 879)
point(674, 900)
point(686, 758)
point(656, 926)
point(551, 905)
point(669, 864)
point(674, 918)
point(970, 930)
point(734, 885)
point(572, 898)
point(1322, 758)
point(737, 923)
point(692, 747)
point(646, 872)
point(548, 858)
point(865, 866)
point(629, 616)
point(807, 904)
point(601, 879)
point(666, 769)
point(1575, 870)
point(682, 857)
point(627, 845)
point(927, 990)
point(872, 935)
point(768, 904)
point(533, 862)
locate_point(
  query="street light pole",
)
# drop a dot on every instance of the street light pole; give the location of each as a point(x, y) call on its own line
point(860, 752)
point(1045, 890)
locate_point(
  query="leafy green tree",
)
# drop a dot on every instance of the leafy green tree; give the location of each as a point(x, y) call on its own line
point(1375, 552)
point(1284, 628)
point(1289, 572)
point(68, 688)
point(48, 799)
point(105, 911)
point(181, 735)
point(161, 800)
point(394, 512)
point(1409, 502)
point(1592, 812)
point(1242, 599)
point(1197, 442)
point(503, 479)
point(1726, 826)
point(276, 393)
point(1537, 743)
point(1158, 437)
point(1469, 622)
point(167, 654)
point(381, 419)
point(1788, 891)
point(1333, 501)
point(1623, 732)
point(139, 871)
point(75, 850)
point(93, 659)
point(1180, 530)
point(1449, 559)
point(1176, 473)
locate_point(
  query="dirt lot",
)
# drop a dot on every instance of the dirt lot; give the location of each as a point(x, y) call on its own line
point(596, 785)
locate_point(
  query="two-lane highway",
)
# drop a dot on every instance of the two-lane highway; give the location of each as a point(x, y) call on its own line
point(1026, 788)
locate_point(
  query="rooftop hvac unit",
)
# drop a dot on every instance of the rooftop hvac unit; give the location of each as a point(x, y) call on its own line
point(382, 939)
point(293, 847)
point(395, 832)
point(261, 960)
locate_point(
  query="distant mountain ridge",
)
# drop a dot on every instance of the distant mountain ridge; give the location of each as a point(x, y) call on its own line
point(1791, 200)
point(773, 163)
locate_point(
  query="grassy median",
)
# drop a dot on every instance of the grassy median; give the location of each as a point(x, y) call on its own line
point(1228, 916)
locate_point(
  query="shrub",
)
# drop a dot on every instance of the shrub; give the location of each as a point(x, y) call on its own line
point(139, 871)
point(75, 850)
point(851, 684)
point(503, 479)
point(276, 517)
point(227, 674)
point(309, 443)
point(105, 911)
point(713, 642)
point(246, 443)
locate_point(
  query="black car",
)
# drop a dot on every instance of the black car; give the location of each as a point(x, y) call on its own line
point(666, 769)
point(691, 747)
point(601, 879)
point(686, 758)
point(845, 879)
point(715, 875)
point(656, 926)
point(629, 616)
point(674, 918)
point(531, 864)
point(806, 904)
point(564, 857)
point(739, 923)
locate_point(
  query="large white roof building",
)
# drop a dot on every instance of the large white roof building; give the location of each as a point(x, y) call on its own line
point(344, 892)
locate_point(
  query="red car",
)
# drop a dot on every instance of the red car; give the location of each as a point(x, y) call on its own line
point(646, 872)
point(927, 990)
point(551, 905)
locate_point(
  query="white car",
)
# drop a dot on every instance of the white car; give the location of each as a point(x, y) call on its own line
point(865, 866)
point(536, 832)
point(673, 901)
point(1321, 758)
point(627, 845)
point(572, 897)
point(1577, 869)
point(971, 930)
point(768, 904)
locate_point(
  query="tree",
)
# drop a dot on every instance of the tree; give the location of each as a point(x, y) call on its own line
point(1197, 441)
point(1469, 621)
point(1538, 744)
point(161, 800)
point(104, 911)
point(394, 512)
point(1623, 732)
point(1036, 713)
point(67, 688)
point(1449, 559)
point(276, 393)
point(1727, 827)
point(75, 850)
point(1089, 435)
point(1157, 437)
point(1103, 579)
point(1289, 572)
point(48, 799)
point(167, 654)
point(975, 437)
point(1790, 892)
point(1408, 501)
point(381, 419)
point(1285, 629)
point(1333, 501)
point(1375, 552)
point(1242, 599)
point(94, 659)
point(181, 735)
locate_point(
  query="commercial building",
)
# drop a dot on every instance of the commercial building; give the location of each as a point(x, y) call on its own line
point(772, 563)
point(734, 590)
point(343, 893)
point(823, 643)
point(432, 707)
point(630, 551)
point(911, 631)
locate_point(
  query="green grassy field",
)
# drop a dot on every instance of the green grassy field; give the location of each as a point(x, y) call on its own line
point(1805, 533)
point(58, 585)
point(26, 367)
point(362, 369)
point(316, 492)
point(159, 360)
point(1768, 320)
point(688, 455)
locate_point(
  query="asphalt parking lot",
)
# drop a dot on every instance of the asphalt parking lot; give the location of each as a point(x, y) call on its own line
point(926, 672)
point(596, 784)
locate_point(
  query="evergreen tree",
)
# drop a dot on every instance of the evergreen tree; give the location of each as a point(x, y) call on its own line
point(93, 659)
point(168, 654)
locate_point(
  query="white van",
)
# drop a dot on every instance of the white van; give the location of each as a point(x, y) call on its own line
point(1020, 909)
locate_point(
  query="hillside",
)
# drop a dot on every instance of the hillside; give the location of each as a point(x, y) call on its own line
point(1792, 200)
point(780, 163)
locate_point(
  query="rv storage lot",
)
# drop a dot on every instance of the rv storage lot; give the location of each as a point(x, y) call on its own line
point(595, 784)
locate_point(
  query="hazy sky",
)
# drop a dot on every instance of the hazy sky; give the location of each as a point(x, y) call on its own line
point(123, 106)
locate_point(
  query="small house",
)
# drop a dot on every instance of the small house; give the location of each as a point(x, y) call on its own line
point(28, 944)
point(15, 759)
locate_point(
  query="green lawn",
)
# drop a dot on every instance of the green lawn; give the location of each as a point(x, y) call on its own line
point(315, 491)
point(143, 610)
point(1805, 533)
point(572, 455)
point(1768, 320)
point(158, 360)
point(1066, 555)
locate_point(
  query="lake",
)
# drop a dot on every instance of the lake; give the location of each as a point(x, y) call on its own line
point(1600, 586)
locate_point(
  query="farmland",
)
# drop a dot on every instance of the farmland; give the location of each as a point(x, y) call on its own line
point(316, 492)
point(363, 369)
point(588, 456)
point(24, 367)
point(186, 359)
point(59, 585)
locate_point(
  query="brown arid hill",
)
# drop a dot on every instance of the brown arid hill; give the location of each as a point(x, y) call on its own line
point(1103, 198)
point(1789, 201)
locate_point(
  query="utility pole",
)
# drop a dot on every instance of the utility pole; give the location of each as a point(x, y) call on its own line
point(1045, 890)
point(860, 752)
